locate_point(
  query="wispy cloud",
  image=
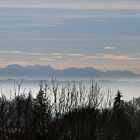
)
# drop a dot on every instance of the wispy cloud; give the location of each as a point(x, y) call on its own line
point(16, 56)
point(1, 59)
point(116, 57)
point(23, 53)
point(56, 57)
point(46, 59)
point(73, 5)
point(56, 54)
point(111, 57)
point(76, 54)
point(88, 58)
point(109, 47)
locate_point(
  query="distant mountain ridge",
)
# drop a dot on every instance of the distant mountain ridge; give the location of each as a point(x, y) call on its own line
point(39, 71)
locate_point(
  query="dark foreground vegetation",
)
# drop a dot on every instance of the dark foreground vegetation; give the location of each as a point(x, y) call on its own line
point(69, 113)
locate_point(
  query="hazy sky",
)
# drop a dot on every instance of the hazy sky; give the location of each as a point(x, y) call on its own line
point(104, 34)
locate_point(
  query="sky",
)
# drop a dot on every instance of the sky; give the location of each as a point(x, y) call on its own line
point(103, 34)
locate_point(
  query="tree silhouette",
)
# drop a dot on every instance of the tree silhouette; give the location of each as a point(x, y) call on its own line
point(68, 113)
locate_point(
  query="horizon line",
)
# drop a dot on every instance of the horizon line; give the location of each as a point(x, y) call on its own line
point(24, 66)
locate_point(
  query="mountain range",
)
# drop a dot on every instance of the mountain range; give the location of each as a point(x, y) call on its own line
point(43, 72)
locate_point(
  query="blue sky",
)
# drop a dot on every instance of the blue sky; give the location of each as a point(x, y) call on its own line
point(103, 34)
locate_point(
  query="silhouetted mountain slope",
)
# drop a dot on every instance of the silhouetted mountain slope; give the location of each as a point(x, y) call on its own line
point(42, 71)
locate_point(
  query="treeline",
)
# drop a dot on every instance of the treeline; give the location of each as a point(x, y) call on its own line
point(70, 112)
